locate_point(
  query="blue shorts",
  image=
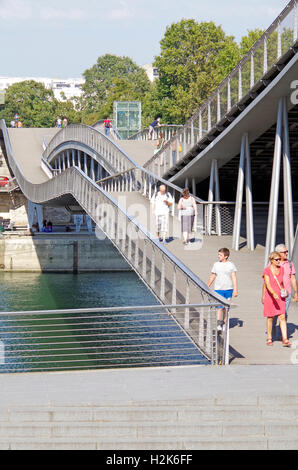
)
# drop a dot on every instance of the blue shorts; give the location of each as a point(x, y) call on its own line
point(227, 294)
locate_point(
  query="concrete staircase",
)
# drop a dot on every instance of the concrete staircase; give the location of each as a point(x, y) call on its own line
point(251, 422)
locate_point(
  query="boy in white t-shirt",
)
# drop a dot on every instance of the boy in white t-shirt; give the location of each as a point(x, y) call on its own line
point(224, 274)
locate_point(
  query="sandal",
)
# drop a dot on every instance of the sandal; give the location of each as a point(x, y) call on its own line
point(286, 343)
point(269, 342)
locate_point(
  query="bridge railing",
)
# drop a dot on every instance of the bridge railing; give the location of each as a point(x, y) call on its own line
point(95, 141)
point(169, 280)
point(97, 338)
point(238, 87)
point(167, 131)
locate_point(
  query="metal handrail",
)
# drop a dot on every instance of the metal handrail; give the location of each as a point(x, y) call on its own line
point(232, 89)
point(165, 128)
point(96, 338)
point(113, 156)
point(154, 264)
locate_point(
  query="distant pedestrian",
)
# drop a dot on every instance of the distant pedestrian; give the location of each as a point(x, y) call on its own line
point(59, 123)
point(153, 125)
point(19, 124)
point(188, 211)
point(65, 122)
point(16, 118)
point(274, 298)
point(161, 203)
point(44, 226)
point(107, 125)
point(49, 226)
point(224, 274)
point(174, 148)
point(13, 123)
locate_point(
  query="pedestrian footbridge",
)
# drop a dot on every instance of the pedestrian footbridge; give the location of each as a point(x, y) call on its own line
point(233, 145)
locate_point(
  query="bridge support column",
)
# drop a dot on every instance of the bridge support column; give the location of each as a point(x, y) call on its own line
point(194, 189)
point(79, 159)
point(282, 145)
point(214, 191)
point(244, 167)
point(92, 172)
point(85, 164)
point(35, 212)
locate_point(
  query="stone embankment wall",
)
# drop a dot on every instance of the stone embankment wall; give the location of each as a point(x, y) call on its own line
point(59, 253)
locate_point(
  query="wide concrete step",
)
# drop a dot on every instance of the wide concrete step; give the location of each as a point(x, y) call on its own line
point(233, 443)
point(141, 430)
point(191, 414)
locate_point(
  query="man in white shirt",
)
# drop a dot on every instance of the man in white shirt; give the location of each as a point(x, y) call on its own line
point(161, 203)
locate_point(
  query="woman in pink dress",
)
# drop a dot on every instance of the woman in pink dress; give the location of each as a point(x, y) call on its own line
point(274, 303)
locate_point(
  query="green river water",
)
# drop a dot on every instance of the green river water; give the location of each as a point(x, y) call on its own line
point(89, 341)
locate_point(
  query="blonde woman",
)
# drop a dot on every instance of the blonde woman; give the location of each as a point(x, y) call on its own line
point(274, 298)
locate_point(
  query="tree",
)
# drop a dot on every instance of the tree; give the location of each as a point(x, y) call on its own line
point(35, 104)
point(194, 59)
point(112, 78)
point(253, 35)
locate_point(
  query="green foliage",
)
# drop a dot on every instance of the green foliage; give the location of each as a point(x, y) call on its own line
point(36, 105)
point(195, 58)
point(249, 40)
point(32, 101)
point(112, 78)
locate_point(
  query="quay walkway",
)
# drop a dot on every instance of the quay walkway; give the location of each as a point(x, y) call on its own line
point(185, 408)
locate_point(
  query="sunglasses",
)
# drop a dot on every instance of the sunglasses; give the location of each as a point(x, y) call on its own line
point(277, 259)
point(287, 251)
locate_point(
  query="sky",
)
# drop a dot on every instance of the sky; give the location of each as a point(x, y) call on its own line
point(62, 38)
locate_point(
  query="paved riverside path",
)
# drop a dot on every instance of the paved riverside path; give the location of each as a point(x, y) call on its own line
point(233, 384)
point(27, 148)
point(170, 408)
point(248, 326)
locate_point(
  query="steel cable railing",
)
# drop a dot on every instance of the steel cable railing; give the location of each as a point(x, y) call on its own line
point(30, 341)
point(167, 131)
point(234, 91)
point(169, 279)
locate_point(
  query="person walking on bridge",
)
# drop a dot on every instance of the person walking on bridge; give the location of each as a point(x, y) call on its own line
point(153, 125)
point(107, 125)
point(188, 211)
point(289, 281)
point(161, 203)
point(224, 274)
point(274, 298)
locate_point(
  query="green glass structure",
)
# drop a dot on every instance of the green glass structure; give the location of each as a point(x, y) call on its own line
point(127, 117)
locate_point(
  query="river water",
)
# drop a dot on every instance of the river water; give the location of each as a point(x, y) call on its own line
point(89, 341)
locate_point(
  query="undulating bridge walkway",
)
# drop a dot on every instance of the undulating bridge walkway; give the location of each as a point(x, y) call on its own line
point(107, 178)
point(247, 334)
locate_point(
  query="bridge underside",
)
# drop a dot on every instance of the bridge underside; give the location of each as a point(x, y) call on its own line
point(261, 153)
